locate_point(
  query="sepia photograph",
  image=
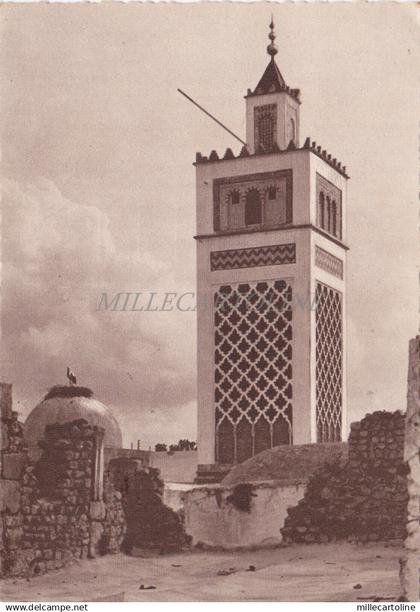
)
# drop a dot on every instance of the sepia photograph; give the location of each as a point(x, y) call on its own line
point(209, 358)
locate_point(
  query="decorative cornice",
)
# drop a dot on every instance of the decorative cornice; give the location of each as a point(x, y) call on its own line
point(273, 228)
point(293, 92)
point(308, 146)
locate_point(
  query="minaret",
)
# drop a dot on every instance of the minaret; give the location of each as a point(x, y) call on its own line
point(271, 278)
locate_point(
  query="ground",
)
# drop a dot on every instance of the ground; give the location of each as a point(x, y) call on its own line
point(324, 572)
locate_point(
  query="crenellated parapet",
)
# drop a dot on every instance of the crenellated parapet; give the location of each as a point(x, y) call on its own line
point(327, 157)
point(307, 146)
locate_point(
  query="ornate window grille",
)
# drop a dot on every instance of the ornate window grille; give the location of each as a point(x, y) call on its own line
point(328, 363)
point(265, 126)
point(253, 368)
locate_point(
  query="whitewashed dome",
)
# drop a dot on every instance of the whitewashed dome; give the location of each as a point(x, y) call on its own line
point(65, 404)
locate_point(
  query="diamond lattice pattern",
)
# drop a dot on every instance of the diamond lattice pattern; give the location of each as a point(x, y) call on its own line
point(253, 368)
point(329, 363)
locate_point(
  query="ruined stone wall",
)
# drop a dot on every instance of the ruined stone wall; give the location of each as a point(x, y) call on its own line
point(410, 578)
point(55, 517)
point(12, 445)
point(12, 460)
point(150, 523)
point(363, 500)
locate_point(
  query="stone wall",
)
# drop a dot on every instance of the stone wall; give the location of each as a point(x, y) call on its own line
point(363, 500)
point(238, 516)
point(12, 445)
point(151, 525)
point(410, 562)
point(56, 516)
point(12, 461)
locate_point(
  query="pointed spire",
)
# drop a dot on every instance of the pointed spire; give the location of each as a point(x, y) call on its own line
point(272, 80)
point(272, 49)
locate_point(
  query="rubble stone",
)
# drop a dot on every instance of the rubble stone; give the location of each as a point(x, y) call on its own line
point(48, 518)
point(364, 499)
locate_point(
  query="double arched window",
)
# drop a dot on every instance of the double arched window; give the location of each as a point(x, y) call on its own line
point(329, 207)
point(328, 214)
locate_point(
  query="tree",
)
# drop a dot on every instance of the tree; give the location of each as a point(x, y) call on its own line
point(187, 445)
point(183, 445)
point(161, 447)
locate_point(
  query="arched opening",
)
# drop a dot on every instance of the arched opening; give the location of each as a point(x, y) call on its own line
point(253, 208)
point(329, 215)
point(321, 215)
point(234, 197)
point(291, 130)
point(272, 193)
point(334, 218)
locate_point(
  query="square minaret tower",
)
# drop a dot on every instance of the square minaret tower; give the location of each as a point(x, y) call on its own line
point(271, 279)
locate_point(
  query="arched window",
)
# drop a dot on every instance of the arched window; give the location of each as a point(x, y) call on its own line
point(272, 193)
point(234, 197)
point(253, 208)
point(322, 210)
point(334, 217)
point(236, 212)
point(329, 215)
point(291, 130)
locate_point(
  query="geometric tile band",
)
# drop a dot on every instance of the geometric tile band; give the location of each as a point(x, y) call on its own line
point(328, 363)
point(253, 257)
point(252, 368)
point(328, 262)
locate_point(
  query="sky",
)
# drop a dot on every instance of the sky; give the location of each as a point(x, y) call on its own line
point(98, 187)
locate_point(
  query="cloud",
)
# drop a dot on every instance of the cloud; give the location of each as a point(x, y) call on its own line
point(58, 258)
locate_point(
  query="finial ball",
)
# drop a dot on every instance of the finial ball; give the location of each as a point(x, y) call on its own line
point(272, 49)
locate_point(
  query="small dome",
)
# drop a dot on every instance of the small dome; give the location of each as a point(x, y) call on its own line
point(64, 404)
point(287, 463)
